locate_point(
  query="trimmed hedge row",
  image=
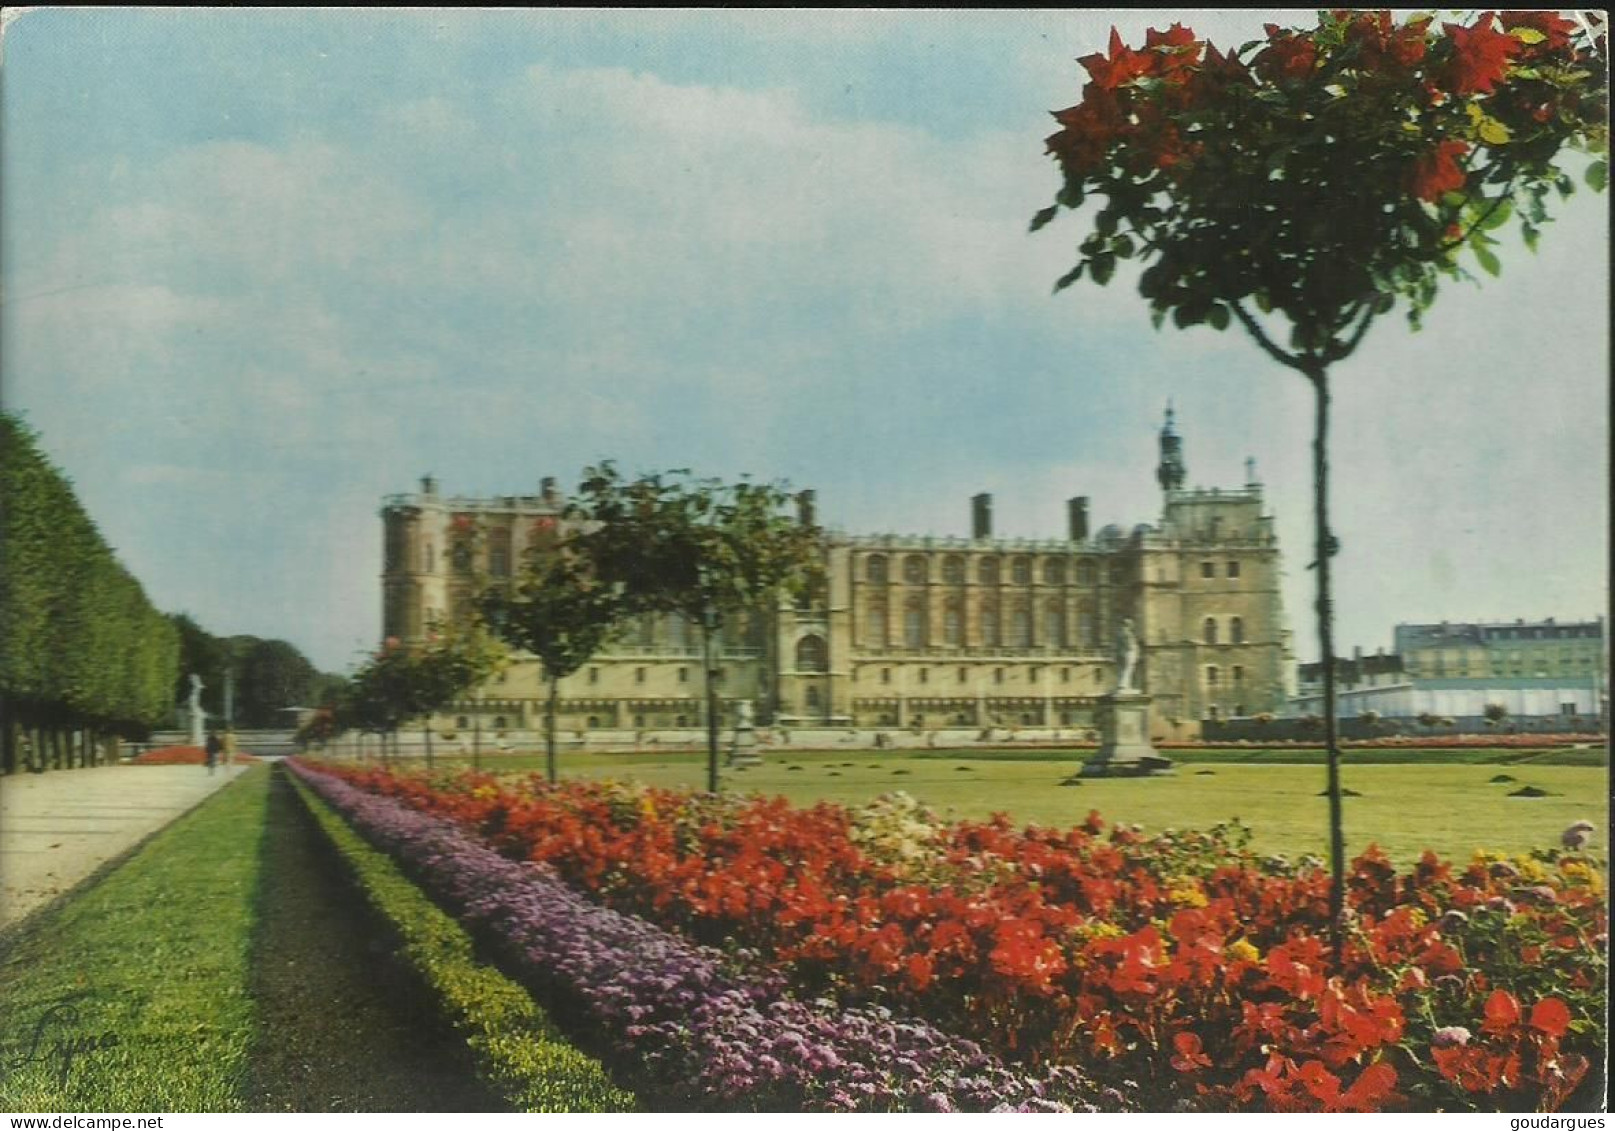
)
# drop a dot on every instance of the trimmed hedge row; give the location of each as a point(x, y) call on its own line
point(518, 1050)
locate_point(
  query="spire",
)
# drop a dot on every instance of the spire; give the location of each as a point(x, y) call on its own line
point(1170, 473)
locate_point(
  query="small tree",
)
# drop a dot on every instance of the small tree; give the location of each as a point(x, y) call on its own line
point(560, 612)
point(1495, 714)
point(1304, 184)
point(696, 547)
point(401, 683)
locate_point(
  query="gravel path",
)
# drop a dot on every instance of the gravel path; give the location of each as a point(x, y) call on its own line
point(344, 1027)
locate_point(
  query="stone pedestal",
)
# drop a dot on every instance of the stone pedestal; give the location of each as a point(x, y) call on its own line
point(1123, 718)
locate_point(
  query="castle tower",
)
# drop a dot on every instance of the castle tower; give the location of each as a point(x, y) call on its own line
point(1170, 473)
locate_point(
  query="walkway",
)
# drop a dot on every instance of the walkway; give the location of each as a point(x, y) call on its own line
point(58, 827)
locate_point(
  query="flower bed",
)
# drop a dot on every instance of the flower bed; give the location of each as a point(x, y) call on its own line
point(702, 1032)
point(182, 756)
point(1180, 962)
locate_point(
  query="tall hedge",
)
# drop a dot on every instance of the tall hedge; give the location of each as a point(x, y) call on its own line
point(81, 648)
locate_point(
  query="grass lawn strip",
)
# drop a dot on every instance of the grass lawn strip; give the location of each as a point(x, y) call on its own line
point(517, 1049)
point(132, 996)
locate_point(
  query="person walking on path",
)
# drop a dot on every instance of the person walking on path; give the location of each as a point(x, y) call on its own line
point(228, 747)
point(213, 747)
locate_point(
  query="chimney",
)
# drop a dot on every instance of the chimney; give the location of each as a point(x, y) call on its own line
point(981, 517)
point(428, 485)
point(807, 508)
point(546, 489)
point(1077, 516)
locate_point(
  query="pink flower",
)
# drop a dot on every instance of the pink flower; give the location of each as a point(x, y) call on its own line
point(1450, 1036)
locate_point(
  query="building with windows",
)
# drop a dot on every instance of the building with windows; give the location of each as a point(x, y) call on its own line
point(909, 631)
point(1545, 670)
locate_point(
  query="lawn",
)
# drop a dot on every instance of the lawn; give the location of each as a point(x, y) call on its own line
point(1448, 805)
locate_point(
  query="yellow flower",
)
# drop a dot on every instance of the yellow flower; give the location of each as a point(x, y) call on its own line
point(1244, 950)
point(1187, 895)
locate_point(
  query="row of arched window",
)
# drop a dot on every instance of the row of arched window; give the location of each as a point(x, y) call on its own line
point(1209, 633)
point(916, 570)
point(1214, 676)
point(991, 629)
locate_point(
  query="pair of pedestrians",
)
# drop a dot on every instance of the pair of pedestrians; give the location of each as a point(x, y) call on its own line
point(221, 744)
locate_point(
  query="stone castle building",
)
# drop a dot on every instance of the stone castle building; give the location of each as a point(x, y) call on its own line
point(915, 632)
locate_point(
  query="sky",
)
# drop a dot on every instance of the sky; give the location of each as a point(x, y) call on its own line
point(261, 268)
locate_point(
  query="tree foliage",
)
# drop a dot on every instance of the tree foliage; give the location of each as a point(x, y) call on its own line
point(82, 647)
point(1325, 174)
point(559, 611)
point(697, 547)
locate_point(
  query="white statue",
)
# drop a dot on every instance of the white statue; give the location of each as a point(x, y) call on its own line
point(197, 715)
point(1126, 656)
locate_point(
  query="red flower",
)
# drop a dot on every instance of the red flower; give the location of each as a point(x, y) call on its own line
point(1287, 55)
point(1550, 1016)
point(1122, 67)
point(1189, 1055)
point(1480, 57)
point(1554, 26)
point(1436, 173)
point(1502, 1013)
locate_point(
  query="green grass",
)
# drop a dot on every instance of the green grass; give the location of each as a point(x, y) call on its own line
point(518, 1050)
point(153, 959)
point(1451, 806)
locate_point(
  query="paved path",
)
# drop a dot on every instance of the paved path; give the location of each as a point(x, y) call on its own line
point(58, 827)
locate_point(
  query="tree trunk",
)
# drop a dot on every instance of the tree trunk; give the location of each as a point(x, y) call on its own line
point(1324, 547)
point(709, 645)
point(551, 710)
point(426, 730)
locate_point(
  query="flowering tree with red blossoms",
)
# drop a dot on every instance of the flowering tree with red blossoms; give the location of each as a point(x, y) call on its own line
point(1306, 183)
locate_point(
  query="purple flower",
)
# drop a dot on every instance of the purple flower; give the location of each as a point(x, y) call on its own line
point(1451, 1035)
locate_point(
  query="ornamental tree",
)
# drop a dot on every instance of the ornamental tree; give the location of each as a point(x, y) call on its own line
point(559, 611)
point(1310, 182)
point(699, 548)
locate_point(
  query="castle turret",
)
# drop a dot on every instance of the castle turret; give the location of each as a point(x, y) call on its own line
point(1170, 473)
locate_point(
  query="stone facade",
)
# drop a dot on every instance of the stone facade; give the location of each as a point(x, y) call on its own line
point(914, 632)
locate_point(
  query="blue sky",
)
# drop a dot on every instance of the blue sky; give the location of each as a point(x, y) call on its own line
point(261, 268)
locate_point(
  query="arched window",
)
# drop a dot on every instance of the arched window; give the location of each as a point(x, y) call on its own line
point(462, 557)
point(1085, 573)
point(1020, 571)
point(499, 553)
point(953, 623)
point(812, 655)
point(953, 570)
point(1054, 571)
point(914, 570)
point(1054, 625)
point(1211, 676)
point(914, 623)
point(875, 570)
point(987, 573)
point(875, 623)
point(1088, 627)
point(1209, 630)
point(1236, 630)
point(989, 623)
point(1020, 627)
point(499, 722)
